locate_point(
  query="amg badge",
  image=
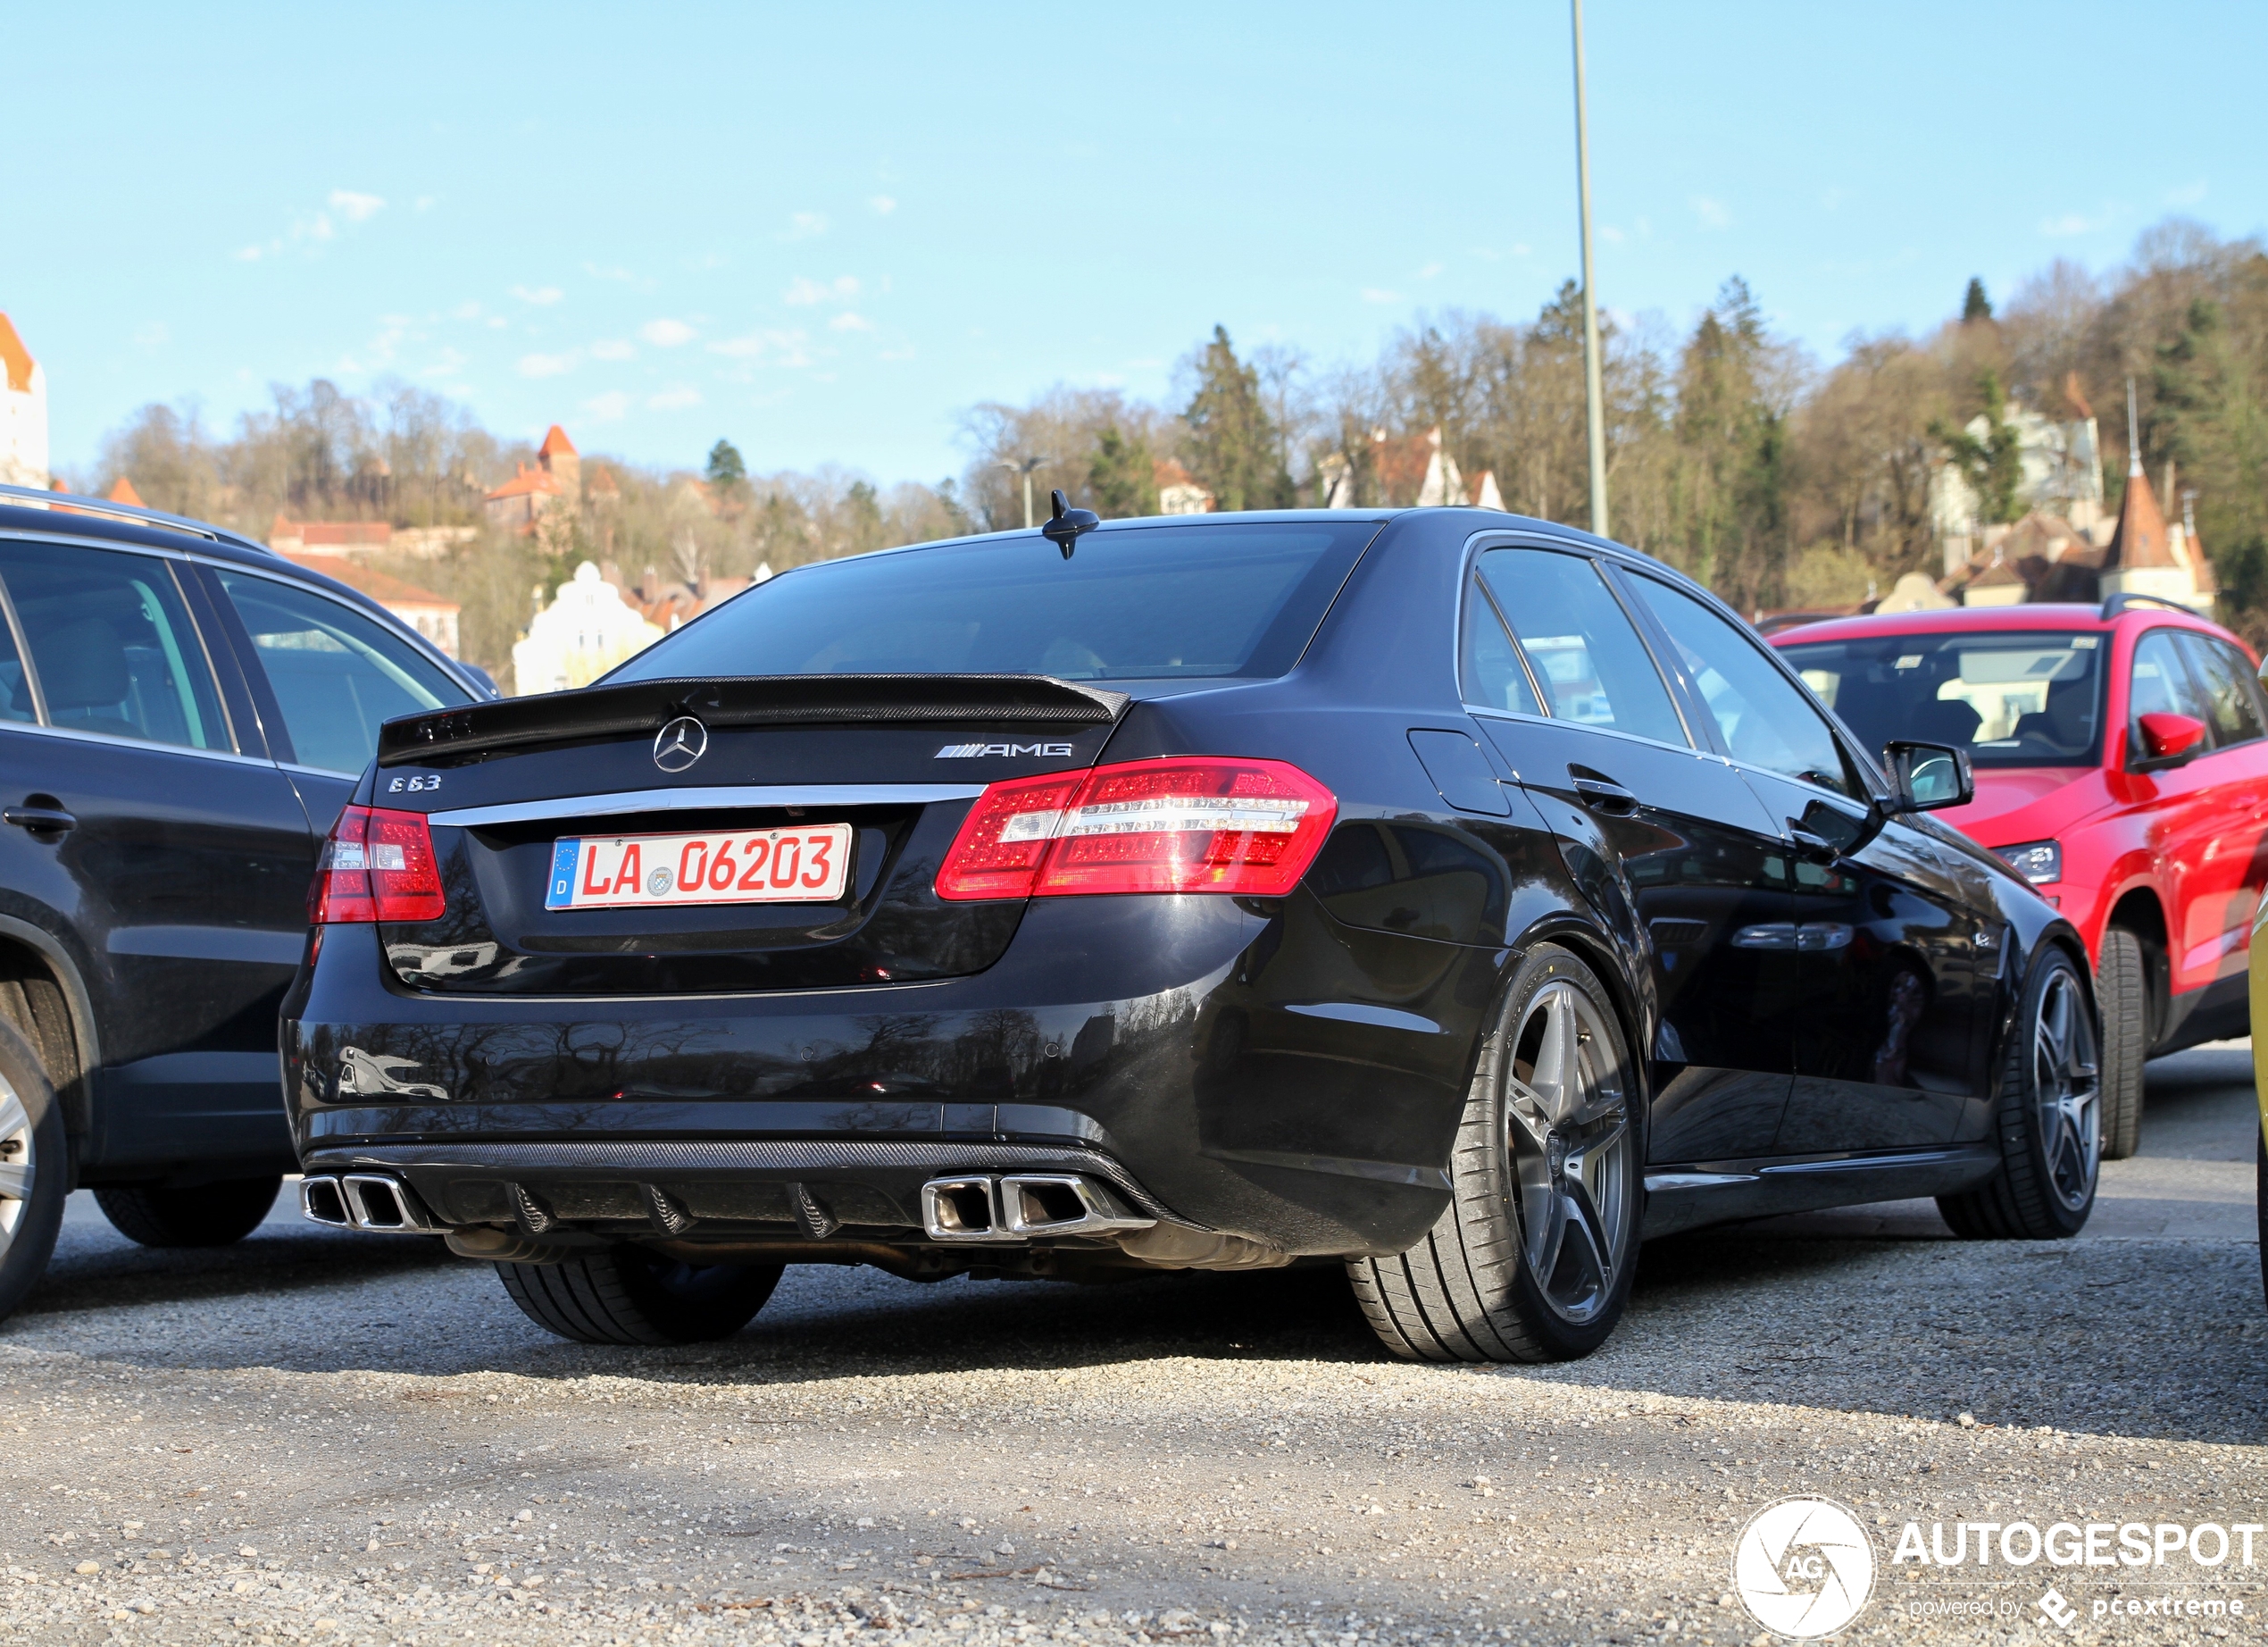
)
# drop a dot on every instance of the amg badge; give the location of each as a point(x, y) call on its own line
point(965, 751)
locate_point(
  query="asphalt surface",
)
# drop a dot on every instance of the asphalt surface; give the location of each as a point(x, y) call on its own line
point(316, 1437)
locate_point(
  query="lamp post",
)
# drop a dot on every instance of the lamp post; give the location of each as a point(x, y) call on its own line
point(1024, 466)
point(1594, 395)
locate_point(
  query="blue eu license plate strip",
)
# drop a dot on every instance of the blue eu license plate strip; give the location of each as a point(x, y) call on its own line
point(561, 893)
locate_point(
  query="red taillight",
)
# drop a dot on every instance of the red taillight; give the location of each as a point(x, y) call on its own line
point(1184, 825)
point(378, 865)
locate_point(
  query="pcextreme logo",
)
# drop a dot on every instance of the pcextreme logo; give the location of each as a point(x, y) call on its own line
point(1804, 1567)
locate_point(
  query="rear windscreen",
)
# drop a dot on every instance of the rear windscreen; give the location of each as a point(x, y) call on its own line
point(1138, 603)
point(2033, 698)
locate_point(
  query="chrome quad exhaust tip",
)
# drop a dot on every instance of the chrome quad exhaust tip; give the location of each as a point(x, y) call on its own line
point(366, 1202)
point(1015, 1207)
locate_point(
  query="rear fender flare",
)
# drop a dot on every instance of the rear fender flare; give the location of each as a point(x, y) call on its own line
point(1632, 1001)
point(76, 1094)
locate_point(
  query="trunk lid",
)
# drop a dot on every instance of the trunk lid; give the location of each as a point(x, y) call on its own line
point(896, 759)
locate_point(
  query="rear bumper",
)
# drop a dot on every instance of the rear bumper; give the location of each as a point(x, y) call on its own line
point(1167, 1047)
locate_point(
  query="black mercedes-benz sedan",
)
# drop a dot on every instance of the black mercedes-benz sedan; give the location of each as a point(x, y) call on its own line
point(1449, 895)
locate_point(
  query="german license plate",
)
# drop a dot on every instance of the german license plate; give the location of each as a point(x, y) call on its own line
point(809, 865)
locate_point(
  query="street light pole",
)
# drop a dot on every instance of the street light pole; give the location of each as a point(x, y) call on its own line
point(1594, 395)
point(1024, 468)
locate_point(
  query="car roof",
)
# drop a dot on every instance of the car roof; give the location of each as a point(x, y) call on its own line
point(2058, 615)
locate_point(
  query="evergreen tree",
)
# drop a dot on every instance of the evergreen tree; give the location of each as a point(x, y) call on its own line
point(2212, 419)
point(1990, 463)
point(1732, 462)
point(1233, 449)
point(726, 470)
point(1122, 478)
point(1974, 305)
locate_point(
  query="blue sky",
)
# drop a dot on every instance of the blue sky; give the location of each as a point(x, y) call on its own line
point(823, 231)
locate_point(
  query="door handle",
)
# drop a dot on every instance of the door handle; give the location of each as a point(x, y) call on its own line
point(1601, 795)
point(39, 820)
point(1812, 848)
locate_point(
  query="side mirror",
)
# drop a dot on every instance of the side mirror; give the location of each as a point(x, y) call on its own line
point(1930, 775)
point(2167, 737)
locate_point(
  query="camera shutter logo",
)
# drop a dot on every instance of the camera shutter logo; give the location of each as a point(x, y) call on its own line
point(1804, 1567)
point(679, 744)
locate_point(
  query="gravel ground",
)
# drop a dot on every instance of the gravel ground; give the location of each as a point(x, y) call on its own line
point(317, 1436)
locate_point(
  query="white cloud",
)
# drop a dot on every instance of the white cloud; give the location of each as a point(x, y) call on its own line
point(447, 364)
point(537, 295)
point(1379, 294)
point(2074, 224)
point(608, 407)
point(1610, 234)
point(883, 205)
point(467, 311)
point(424, 203)
point(546, 365)
point(804, 226)
point(153, 335)
point(848, 322)
point(250, 254)
point(1429, 271)
point(675, 399)
point(804, 289)
point(1713, 213)
point(613, 348)
point(2188, 194)
point(666, 334)
point(788, 348)
point(355, 208)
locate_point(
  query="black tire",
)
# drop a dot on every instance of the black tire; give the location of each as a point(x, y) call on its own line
point(34, 1169)
point(1529, 1262)
point(2123, 983)
point(209, 1214)
point(2048, 1120)
point(626, 1295)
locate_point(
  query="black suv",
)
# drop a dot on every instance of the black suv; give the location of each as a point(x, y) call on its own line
point(182, 715)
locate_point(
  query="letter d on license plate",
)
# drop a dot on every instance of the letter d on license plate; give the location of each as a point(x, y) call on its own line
point(806, 865)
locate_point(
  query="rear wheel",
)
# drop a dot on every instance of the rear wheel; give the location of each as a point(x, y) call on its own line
point(34, 1177)
point(2122, 980)
point(209, 1215)
point(626, 1295)
point(2049, 1124)
point(1532, 1260)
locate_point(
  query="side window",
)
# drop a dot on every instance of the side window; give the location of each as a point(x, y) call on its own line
point(1493, 673)
point(2226, 682)
point(112, 646)
point(1762, 716)
point(337, 672)
point(16, 701)
point(1580, 644)
point(2158, 683)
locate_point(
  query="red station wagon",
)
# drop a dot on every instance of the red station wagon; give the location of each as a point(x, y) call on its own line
point(2122, 767)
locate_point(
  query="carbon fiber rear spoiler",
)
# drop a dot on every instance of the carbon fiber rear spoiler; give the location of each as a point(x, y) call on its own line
point(601, 711)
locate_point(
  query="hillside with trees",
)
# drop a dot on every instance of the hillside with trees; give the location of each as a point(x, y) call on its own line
point(1777, 480)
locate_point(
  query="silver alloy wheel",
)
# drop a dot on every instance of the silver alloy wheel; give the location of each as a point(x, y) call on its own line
point(1568, 1134)
point(2067, 1086)
point(17, 1169)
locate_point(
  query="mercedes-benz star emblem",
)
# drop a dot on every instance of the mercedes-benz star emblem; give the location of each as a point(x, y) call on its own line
point(679, 744)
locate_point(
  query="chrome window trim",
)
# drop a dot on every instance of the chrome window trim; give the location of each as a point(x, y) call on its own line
point(621, 801)
point(82, 735)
